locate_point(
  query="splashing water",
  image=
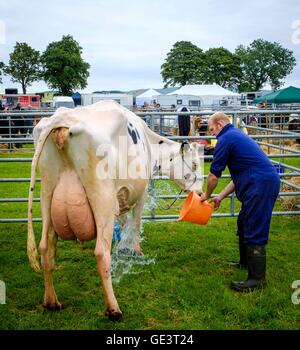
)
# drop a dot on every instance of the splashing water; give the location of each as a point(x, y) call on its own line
point(153, 202)
point(164, 188)
point(124, 259)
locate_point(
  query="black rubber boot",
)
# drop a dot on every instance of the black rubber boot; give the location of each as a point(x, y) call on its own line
point(256, 258)
point(242, 264)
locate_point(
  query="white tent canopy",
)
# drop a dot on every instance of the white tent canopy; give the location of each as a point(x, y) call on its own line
point(147, 96)
point(204, 96)
point(203, 90)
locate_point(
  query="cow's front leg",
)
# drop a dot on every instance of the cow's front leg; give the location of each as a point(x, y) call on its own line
point(103, 257)
point(48, 262)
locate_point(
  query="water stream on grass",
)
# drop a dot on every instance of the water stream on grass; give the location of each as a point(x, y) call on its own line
point(124, 259)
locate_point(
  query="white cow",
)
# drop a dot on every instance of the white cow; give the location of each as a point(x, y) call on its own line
point(95, 163)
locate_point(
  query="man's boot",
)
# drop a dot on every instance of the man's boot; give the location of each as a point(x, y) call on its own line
point(242, 264)
point(256, 259)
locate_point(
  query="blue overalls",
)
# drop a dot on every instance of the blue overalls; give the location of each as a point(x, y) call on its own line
point(256, 182)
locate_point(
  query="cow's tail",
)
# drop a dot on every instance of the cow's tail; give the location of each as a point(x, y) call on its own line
point(32, 251)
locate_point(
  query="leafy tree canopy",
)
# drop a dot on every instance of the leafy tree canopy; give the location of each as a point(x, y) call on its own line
point(264, 62)
point(223, 67)
point(64, 68)
point(185, 64)
point(24, 65)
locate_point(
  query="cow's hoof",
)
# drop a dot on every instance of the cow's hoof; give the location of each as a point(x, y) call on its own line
point(138, 253)
point(53, 307)
point(114, 316)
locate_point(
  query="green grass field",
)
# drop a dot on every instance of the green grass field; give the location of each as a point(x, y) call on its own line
point(183, 287)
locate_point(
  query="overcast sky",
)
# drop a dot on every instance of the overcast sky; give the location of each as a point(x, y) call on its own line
point(126, 42)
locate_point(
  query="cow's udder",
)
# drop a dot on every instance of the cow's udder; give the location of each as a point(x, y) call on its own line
point(71, 214)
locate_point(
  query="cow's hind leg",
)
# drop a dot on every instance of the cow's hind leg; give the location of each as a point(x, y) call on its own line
point(47, 247)
point(48, 262)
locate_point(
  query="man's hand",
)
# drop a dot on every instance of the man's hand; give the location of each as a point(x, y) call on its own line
point(204, 197)
point(211, 184)
point(216, 202)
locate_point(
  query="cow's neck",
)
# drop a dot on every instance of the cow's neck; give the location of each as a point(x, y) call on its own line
point(156, 141)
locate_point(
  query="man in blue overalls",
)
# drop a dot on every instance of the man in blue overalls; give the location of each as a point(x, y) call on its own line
point(256, 184)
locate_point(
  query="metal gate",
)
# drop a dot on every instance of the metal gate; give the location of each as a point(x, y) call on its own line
point(270, 126)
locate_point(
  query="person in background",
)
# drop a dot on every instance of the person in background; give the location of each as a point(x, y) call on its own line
point(135, 108)
point(147, 118)
point(18, 107)
point(184, 122)
point(255, 183)
point(157, 107)
point(146, 106)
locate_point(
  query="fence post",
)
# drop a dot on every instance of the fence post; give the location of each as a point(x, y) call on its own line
point(10, 146)
point(161, 124)
point(152, 122)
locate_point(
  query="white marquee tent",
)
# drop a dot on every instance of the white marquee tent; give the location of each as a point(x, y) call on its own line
point(148, 96)
point(196, 96)
point(203, 90)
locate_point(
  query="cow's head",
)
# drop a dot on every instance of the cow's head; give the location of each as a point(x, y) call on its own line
point(184, 164)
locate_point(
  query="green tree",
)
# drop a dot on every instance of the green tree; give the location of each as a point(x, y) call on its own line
point(64, 68)
point(223, 67)
point(264, 62)
point(185, 64)
point(24, 65)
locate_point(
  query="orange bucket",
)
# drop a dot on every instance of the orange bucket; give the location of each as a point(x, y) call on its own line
point(195, 211)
